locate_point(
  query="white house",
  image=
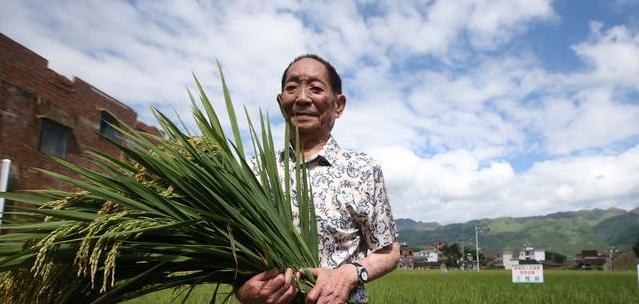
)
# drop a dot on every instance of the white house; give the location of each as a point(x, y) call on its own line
point(431, 255)
point(530, 253)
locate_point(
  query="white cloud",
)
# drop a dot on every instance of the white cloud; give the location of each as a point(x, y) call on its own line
point(591, 108)
point(592, 120)
point(422, 29)
point(422, 187)
point(492, 23)
point(438, 28)
point(452, 187)
point(612, 55)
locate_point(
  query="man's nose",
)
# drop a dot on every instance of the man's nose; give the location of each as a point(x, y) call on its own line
point(303, 96)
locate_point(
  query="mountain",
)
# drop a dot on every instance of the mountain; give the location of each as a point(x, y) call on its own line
point(408, 224)
point(563, 232)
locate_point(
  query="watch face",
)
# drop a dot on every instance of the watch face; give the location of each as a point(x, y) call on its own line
point(364, 276)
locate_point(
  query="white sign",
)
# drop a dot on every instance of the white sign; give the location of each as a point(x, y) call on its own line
point(528, 273)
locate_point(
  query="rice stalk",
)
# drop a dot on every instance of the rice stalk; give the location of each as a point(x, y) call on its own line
point(174, 213)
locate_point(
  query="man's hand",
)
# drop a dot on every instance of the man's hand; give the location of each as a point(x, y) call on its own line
point(268, 287)
point(333, 285)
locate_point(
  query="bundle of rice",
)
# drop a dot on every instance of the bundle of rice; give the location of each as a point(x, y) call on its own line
point(177, 211)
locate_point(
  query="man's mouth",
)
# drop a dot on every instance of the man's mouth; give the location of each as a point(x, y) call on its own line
point(303, 114)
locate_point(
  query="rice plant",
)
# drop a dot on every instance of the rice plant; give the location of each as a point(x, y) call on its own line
point(176, 212)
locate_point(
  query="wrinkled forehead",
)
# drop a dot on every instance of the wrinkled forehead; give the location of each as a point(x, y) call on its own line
point(307, 69)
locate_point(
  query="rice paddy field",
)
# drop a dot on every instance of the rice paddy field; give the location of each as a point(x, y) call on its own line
point(491, 286)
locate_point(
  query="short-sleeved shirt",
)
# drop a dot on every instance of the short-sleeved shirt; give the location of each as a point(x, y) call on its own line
point(352, 207)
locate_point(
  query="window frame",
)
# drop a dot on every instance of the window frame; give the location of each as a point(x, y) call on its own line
point(53, 134)
point(107, 123)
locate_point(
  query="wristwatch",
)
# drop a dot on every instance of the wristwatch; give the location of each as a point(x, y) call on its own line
point(362, 273)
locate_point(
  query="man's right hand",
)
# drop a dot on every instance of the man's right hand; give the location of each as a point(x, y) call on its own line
point(268, 287)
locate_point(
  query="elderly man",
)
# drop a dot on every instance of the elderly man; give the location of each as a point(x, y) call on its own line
point(357, 235)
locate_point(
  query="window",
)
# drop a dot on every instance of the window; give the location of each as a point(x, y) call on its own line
point(54, 138)
point(106, 125)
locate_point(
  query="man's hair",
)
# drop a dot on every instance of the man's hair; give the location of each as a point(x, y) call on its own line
point(333, 77)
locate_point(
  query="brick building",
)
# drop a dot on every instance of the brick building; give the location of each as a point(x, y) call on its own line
point(43, 113)
point(406, 257)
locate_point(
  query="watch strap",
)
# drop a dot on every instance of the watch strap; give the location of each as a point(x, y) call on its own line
point(360, 270)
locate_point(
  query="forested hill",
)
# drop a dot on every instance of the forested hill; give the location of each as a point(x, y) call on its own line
point(563, 232)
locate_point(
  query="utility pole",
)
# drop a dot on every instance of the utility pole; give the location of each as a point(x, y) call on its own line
point(483, 229)
point(477, 247)
point(462, 238)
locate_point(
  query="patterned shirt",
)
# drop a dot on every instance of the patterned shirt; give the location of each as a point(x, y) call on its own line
point(353, 213)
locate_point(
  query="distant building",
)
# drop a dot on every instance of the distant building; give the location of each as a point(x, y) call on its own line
point(42, 114)
point(620, 261)
point(527, 255)
point(590, 259)
point(404, 249)
point(428, 258)
point(507, 259)
point(406, 257)
point(530, 253)
point(492, 259)
point(429, 255)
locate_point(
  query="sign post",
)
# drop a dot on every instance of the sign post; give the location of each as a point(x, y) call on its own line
point(528, 273)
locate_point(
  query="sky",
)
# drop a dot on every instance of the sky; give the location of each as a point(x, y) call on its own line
point(473, 109)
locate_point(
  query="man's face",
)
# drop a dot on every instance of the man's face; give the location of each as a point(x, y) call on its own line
point(308, 100)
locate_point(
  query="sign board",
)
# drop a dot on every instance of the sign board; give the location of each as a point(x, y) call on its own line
point(528, 273)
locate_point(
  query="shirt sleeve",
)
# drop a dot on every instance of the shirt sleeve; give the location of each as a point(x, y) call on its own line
point(379, 228)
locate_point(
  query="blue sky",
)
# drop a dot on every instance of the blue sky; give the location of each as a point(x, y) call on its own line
point(571, 29)
point(473, 108)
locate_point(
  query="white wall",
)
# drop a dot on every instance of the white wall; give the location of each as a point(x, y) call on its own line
point(540, 255)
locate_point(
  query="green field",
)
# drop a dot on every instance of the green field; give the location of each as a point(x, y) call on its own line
point(494, 286)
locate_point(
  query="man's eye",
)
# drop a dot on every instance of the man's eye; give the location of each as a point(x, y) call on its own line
point(317, 90)
point(290, 88)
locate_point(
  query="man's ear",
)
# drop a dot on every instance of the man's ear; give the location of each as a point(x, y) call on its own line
point(340, 104)
point(279, 103)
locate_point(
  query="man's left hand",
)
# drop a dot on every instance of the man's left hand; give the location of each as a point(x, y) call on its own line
point(333, 285)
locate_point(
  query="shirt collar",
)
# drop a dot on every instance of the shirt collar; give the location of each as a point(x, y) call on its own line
point(326, 156)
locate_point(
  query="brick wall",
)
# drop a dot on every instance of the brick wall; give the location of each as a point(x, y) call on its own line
point(30, 92)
